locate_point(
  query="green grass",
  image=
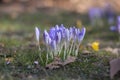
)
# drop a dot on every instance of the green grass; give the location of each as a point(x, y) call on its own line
point(17, 41)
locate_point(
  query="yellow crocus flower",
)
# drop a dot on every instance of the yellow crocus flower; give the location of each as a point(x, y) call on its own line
point(95, 46)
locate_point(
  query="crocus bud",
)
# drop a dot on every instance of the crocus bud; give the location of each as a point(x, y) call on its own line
point(47, 38)
point(81, 34)
point(57, 27)
point(52, 33)
point(71, 33)
point(37, 33)
point(53, 44)
point(67, 34)
point(59, 37)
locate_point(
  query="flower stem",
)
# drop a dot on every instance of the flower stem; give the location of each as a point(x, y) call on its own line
point(40, 53)
point(70, 48)
point(64, 55)
point(76, 52)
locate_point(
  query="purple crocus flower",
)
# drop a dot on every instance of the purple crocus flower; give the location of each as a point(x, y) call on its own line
point(81, 34)
point(57, 27)
point(74, 33)
point(62, 26)
point(37, 33)
point(46, 37)
point(62, 30)
point(59, 36)
point(52, 33)
point(53, 44)
point(67, 34)
point(118, 26)
point(71, 33)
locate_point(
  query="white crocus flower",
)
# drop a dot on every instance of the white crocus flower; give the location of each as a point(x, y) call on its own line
point(67, 34)
point(37, 33)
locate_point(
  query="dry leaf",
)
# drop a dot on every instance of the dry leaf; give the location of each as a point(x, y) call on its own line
point(58, 62)
point(70, 59)
point(55, 64)
point(114, 67)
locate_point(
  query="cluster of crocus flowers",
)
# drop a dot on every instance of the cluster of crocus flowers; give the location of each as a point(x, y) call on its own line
point(61, 42)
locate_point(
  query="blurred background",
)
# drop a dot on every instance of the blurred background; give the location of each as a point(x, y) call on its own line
point(98, 16)
point(79, 6)
point(15, 8)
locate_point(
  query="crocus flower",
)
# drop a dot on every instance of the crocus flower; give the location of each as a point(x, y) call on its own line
point(37, 33)
point(118, 26)
point(47, 38)
point(95, 46)
point(59, 36)
point(62, 30)
point(67, 34)
point(53, 44)
point(57, 27)
point(81, 34)
point(71, 33)
point(52, 33)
